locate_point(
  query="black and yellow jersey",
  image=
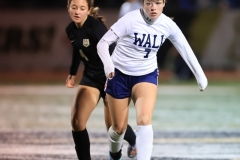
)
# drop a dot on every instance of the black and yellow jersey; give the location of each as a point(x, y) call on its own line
point(84, 41)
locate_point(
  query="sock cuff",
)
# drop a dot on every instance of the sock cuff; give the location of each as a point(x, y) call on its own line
point(80, 136)
point(144, 127)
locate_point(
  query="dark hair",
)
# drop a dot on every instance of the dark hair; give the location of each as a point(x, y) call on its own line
point(165, 1)
point(94, 10)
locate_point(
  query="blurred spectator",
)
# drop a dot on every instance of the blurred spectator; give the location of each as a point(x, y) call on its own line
point(128, 6)
point(205, 4)
point(5, 4)
point(233, 3)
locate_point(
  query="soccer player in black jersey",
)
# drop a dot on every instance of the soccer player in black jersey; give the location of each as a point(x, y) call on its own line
point(84, 32)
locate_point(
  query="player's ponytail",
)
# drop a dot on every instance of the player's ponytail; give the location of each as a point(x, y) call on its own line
point(94, 14)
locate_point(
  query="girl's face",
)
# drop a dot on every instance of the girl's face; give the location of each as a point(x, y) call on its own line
point(78, 11)
point(153, 8)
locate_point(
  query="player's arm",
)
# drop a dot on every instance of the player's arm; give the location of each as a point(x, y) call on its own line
point(103, 51)
point(100, 29)
point(184, 49)
point(73, 69)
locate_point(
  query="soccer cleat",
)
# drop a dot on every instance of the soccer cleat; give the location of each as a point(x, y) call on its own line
point(132, 150)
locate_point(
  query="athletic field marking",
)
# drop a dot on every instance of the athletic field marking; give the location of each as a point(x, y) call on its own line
point(181, 140)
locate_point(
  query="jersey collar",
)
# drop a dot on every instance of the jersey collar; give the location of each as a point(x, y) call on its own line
point(147, 19)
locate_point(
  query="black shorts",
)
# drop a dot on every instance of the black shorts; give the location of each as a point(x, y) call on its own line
point(96, 82)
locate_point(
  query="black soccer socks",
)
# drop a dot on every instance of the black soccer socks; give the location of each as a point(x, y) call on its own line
point(82, 144)
point(116, 156)
point(130, 136)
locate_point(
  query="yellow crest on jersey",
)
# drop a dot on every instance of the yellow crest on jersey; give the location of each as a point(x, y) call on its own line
point(86, 42)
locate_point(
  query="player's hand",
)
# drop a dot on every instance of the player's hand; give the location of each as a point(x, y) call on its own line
point(70, 81)
point(202, 84)
point(111, 75)
point(202, 87)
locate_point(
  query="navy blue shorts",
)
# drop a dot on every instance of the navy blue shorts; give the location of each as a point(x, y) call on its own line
point(120, 86)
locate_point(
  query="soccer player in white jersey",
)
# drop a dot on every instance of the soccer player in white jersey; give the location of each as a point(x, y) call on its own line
point(133, 74)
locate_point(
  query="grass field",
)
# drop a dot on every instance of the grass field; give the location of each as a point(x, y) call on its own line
point(187, 123)
point(178, 107)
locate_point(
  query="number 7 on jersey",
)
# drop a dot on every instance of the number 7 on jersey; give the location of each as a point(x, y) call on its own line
point(148, 51)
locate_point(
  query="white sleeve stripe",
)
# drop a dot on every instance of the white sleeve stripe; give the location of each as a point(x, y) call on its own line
point(110, 37)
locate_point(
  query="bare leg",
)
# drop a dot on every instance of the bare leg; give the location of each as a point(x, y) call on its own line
point(84, 103)
point(144, 99)
point(129, 135)
point(119, 115)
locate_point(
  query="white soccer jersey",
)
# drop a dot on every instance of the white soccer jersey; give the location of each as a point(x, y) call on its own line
point(138, 43)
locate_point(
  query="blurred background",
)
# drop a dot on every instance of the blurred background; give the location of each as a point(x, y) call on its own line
point(34, 46)
point(35, 55)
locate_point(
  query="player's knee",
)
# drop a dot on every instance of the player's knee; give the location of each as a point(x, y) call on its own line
point(77, 125)
point(144, 120)
point(114, 136)
point(119, 129)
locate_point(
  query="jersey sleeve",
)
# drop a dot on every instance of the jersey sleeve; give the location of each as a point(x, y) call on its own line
point(75, 62)
point(103, 51)
point(70, 31)
point(181, 44)
point(123, 25)
point(75, 53)
point(99, 30)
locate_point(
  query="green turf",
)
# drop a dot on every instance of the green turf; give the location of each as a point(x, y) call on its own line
point(178, 107)
point(217, 108)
